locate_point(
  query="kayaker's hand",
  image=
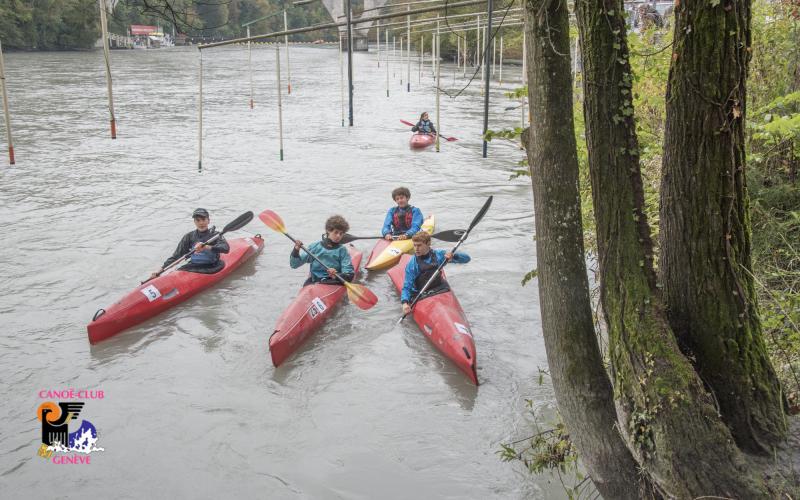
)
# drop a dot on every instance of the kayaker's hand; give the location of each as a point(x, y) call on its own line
point(388, 237)
point(154, 275)
point(402, 237)
point(448, 256)
point(406, 308)
point(198, 247)
point(331, 272)
point(297, 245)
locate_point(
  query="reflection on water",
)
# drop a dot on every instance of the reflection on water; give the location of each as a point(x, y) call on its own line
point(192, 395)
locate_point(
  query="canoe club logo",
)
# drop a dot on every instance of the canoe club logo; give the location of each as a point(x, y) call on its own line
point(59, 445)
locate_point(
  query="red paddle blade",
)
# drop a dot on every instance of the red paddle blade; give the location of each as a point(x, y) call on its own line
point(361, 296)
point(451, 139)
point(406, 123)
point(272, 220)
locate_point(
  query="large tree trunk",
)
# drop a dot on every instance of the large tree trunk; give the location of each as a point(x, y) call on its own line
point(581, 384)
point(667, 416)
point(705, 225)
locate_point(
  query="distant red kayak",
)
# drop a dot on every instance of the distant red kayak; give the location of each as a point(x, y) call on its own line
point(160, 294)
point(312, 306)
point(420, 141)
point(442, 320)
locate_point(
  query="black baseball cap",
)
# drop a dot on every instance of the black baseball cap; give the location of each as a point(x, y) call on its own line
point(200, 212)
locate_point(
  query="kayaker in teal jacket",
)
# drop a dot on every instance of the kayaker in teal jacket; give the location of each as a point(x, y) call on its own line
point(402, 221)
point(329, 251)
point(422, 266)
point(424, 125)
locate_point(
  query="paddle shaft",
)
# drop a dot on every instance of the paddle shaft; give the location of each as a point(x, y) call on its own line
point(303, 247)
point(182, 258)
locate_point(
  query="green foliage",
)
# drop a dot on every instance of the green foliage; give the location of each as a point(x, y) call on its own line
point(75, 24)
point(49, 24)
point(550, 451)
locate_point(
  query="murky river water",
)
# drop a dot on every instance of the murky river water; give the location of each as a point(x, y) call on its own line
point(192, 404)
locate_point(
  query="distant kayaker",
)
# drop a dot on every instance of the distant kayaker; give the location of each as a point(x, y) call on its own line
point(424, 125)
point(204, 257)
point(422, 266)
point(402, 221)
point(328, 250)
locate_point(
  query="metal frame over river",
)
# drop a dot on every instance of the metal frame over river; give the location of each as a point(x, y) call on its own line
point(191, 405)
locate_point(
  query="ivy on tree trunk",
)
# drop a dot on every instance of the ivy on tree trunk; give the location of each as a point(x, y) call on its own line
point(705, 225)
point(581, 383)
point(664, 411)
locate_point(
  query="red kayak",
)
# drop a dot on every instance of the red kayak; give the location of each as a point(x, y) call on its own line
point(442, 319)
point(159, 294)
point(312, 306)
point(420, 141)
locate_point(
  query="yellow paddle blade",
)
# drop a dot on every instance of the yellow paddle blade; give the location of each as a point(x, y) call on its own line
point(272, 220)
point(361, 296)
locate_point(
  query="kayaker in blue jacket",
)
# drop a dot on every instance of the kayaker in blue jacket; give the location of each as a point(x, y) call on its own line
point(402, 221)
point(422, 266)
point(329, 251)
point(204, 258)
point(424, 125)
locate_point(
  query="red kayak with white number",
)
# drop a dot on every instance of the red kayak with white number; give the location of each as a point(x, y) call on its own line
point(421, 141)
point(159, 294)
point(443, 321)
point(307, 312)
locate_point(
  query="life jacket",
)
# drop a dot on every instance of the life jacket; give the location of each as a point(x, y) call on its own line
point(426, 270)
point(424, 126)
point(204, 258)
point(207, 257)
point(402, 222)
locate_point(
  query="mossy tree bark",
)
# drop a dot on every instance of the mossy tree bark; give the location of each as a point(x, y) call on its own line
point(581, 384)
point(664, 411)
point(705, 227)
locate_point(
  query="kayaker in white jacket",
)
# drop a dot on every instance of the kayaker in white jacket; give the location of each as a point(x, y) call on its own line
point(422, 266)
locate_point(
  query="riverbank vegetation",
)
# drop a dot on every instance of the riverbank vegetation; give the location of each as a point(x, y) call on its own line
point(75, 24)
point(686, 152)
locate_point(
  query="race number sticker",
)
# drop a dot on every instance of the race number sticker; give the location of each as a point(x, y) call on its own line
point(394, 251)
point(463, 329)
point(151, 292)
point(317, 306)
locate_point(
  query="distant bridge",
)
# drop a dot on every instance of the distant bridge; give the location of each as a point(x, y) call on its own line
point(336, 8)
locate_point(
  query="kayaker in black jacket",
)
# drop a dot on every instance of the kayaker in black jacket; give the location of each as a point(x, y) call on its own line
point(203, 256)
point(424, 125)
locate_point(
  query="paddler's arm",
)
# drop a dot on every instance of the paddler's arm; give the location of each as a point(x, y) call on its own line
point(408, 283)
point(416, 222)
point(457, 258)
point(295, 258)
point(348, 273)
point(220, 246)
point(184, 247)
point(387, 223)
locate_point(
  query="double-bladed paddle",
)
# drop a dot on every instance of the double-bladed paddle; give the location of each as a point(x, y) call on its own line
point(474, 222)
point(233, 225)
point(451, 236)
point(448, 139)
point(360, 295)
